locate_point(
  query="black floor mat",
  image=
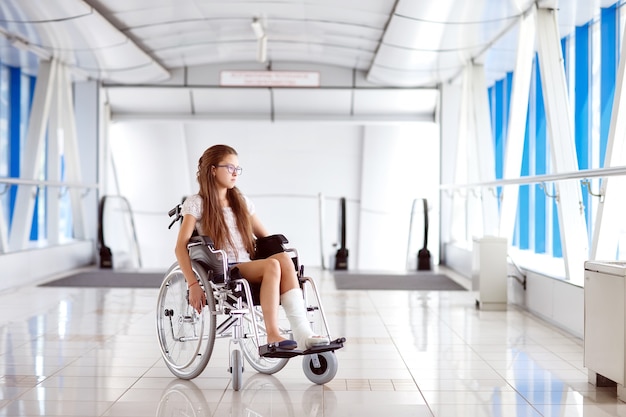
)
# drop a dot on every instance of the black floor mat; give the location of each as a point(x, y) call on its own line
point(106, 278)
point(418, 281)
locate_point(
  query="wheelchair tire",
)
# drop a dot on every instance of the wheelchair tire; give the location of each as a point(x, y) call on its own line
point(186, 337)
point(250, 347)
point(236, 368)
point(320, 368)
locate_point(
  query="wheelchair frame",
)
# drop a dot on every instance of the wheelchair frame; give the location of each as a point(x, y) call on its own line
point(187, 337)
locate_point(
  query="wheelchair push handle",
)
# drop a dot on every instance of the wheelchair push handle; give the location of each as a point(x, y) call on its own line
point(175, 212)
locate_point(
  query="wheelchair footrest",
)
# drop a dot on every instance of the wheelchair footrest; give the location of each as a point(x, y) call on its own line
point(333, 345)
point(267, 351)
point(271, 351)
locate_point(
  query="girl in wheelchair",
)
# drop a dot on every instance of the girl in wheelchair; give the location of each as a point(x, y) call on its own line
point(221, 211)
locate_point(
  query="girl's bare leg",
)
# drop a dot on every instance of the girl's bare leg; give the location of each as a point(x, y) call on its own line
point(289, 276)
point(267, 273)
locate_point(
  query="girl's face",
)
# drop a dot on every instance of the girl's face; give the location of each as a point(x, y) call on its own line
point(227, 171)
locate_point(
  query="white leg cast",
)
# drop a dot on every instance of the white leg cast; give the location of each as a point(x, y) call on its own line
point(293, 303)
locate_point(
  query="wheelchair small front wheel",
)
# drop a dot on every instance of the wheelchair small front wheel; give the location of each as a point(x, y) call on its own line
point(236, 368)
point(320, 368)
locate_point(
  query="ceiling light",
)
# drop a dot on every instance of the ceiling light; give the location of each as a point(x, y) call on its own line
point(259, 32)
point(257, 27)
point(261, 52)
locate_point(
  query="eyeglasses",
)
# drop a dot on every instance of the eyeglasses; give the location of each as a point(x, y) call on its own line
point(231, 168)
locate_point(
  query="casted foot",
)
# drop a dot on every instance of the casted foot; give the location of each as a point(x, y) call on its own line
point(315, 341)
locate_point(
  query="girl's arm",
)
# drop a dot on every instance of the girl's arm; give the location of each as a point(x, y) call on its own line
point(257, 227)
point(196, 295)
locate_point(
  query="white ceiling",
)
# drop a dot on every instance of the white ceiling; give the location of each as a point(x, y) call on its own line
point(394, 43)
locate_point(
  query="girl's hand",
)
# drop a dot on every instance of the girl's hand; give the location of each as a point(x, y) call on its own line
point(197, 298)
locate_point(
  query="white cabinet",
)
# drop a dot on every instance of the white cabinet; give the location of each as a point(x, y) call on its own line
point(489, 272)
point(604, 323)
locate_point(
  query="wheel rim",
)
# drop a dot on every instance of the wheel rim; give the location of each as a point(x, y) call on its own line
point(179, 322)
point(186, 337)
point(325, 372)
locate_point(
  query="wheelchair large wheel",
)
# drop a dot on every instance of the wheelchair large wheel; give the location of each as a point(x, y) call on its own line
point(250, 347)
point(186, 337)
point(320, 368)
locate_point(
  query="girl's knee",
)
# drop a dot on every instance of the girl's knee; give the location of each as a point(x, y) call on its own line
point(272, 267)
point(282, 256)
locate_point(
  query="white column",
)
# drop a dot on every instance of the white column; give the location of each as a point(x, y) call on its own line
point(33, 149)
point(53, 162)
point(71, 152)
point(517, 122)
point(611, 209)
point(460, 229)
point(483, 143)
point(449, 119)
point(561, 134)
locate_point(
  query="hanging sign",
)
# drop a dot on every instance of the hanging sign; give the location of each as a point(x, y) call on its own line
point(270, 79)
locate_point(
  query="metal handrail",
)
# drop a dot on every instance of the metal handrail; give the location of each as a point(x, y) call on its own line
point(22, 181)
point(580, 174)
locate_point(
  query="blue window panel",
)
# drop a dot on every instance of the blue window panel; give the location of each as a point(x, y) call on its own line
point(501, 134)
point(523, 216)
point(491, 92)
point(15, 88)
point(540, 220)
point(564, 52)
point(541, 163)
point(499, 126)
point(516, 231)
point(582, 109)
point(524, 192)
point(608, 66)
point(557, 250)
point(34, 228)
point(541, 145)
point(38, 213)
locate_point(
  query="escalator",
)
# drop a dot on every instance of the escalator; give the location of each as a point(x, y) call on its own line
point(117, 237)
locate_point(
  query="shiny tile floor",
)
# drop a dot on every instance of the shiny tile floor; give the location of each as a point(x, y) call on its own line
point(93, 352)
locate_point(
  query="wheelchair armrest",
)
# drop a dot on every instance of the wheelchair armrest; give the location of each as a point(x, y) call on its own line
point(269, 245)
point(204, 240)
point(214, 261)
point(278, 237)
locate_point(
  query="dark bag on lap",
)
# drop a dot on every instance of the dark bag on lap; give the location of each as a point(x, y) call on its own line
point(269, 245)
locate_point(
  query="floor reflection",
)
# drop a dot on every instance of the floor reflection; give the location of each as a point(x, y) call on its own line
point(260, 396)
point(93, 352)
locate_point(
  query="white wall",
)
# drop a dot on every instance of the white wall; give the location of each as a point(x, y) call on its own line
point(286, 167)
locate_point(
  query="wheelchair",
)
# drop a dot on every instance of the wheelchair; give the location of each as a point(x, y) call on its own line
point(232, 311)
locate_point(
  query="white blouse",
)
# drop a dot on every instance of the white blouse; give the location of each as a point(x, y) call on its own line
point(193, 205)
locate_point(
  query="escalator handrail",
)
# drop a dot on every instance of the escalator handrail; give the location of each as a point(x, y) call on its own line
point(101, 237)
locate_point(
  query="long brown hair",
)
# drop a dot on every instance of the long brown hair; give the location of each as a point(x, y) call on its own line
point(213, 221)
